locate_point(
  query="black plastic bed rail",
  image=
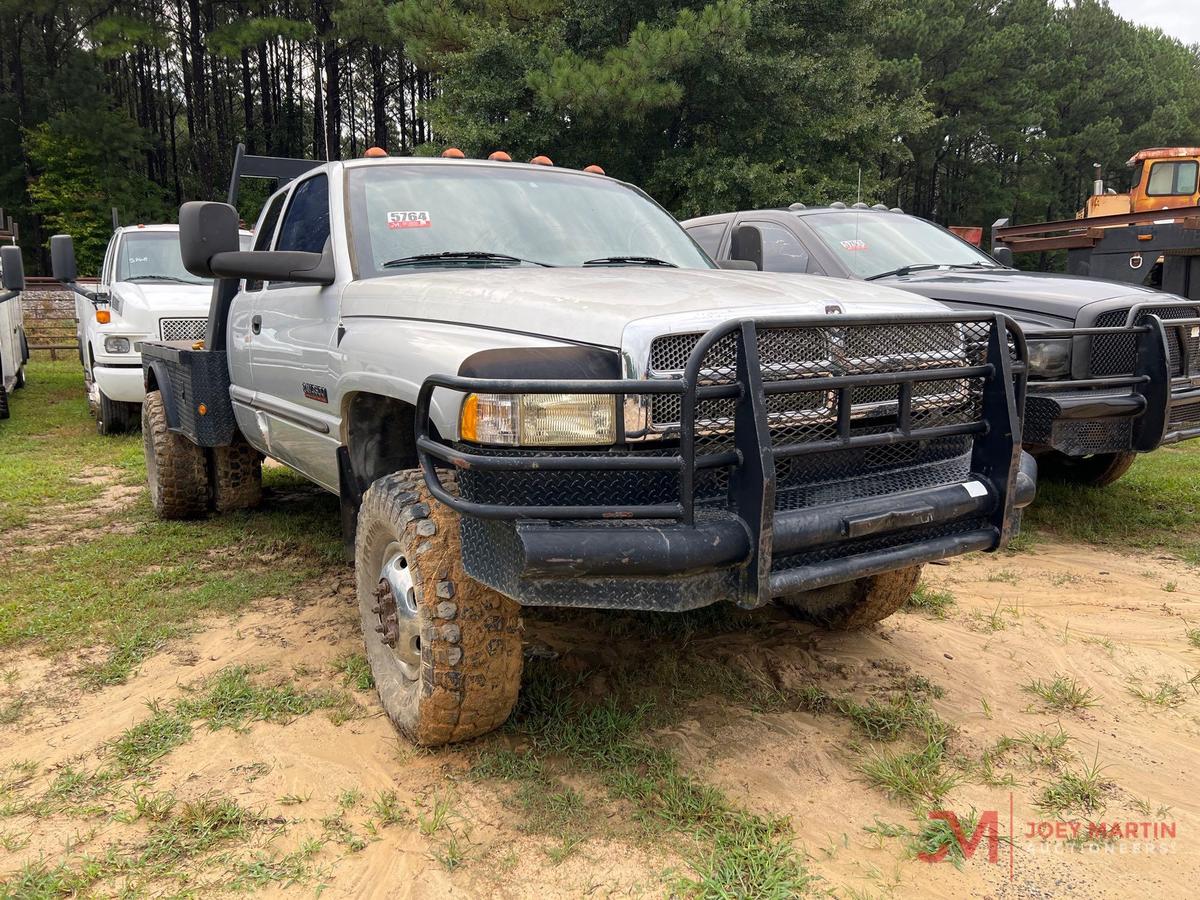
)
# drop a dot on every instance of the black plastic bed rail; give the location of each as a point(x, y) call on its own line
point(999, 366)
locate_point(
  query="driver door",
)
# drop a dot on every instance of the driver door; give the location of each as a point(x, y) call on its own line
point(293, 342)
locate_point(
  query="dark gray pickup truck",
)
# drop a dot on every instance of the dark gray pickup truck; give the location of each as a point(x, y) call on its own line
point(1114, 368)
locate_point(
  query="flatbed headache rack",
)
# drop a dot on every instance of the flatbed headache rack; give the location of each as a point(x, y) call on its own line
point(1119, 248)
point(200, 375)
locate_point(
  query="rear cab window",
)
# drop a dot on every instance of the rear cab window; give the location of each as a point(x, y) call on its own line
point(1172, 178)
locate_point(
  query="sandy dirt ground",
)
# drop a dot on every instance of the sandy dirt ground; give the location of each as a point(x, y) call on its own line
point(1114, 622)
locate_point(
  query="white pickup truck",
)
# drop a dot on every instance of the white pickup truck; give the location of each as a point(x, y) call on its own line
point(530, 387)
point(144, 293)
point(14, 347)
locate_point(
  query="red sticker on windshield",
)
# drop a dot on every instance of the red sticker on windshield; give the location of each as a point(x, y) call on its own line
point(854, 245)
point(409, 219)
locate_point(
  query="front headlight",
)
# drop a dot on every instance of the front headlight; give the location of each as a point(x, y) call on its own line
point(539, 420)
point(1049, 359)
point(116, 345)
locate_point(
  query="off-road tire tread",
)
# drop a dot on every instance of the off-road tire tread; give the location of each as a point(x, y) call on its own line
point(236, 476)
point(861, 602)
point(182, 475)
point(471, 653)
point(1099, 470)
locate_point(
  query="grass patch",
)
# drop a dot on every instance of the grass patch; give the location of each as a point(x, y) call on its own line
point(1167, 693)
point(928, 599)
point(1193, 637)
point(1082, 791)
point(355, 671)
point(1061, 693)
point(731, 852)
point(1156, 505)
point(62, 594)
point(917, 777)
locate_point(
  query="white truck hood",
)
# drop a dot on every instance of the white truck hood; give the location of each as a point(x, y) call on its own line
point(162, 298)
point(595, 305)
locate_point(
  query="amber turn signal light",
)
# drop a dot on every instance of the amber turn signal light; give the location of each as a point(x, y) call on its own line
point(103, 316)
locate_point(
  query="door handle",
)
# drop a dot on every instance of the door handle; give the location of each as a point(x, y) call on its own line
point(256, 324)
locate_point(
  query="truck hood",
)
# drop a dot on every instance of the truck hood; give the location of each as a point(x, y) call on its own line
point(131, 299)
point(1044, 297)
point(593, 305)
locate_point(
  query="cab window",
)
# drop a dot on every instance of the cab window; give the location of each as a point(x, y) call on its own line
point(266, 231)
point(708, 237)
point(1172, 178)
point(306, 225)
point(782, 250)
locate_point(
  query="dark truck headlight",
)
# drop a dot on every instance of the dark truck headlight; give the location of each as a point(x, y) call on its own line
point(1049, 360)
point(539, 420)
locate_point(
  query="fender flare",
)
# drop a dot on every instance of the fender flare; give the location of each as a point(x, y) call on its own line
point(157, 377)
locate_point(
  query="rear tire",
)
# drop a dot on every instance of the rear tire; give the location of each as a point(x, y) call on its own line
point(175, 467)
point(236, 477)
point(858, 603)
point(1098, 470)
point(445, 651)
point(20, 378)
point(114, 416)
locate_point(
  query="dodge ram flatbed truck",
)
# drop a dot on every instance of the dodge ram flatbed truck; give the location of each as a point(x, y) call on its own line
point(529, 387)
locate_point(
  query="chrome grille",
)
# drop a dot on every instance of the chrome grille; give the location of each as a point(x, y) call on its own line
point(1116, 354)
point(182, 329)
point(799, 353)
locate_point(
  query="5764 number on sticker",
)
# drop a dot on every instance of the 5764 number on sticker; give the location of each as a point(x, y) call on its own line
point(409, 219)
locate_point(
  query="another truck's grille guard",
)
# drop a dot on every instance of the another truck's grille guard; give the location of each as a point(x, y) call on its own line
point(999, 367)
point(1165, 413)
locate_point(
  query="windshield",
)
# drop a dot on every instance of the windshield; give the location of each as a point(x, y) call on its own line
point(546, 217)
point(153, 256)
point(873, 243)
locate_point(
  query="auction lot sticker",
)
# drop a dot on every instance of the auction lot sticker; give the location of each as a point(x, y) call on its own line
point(409, 219)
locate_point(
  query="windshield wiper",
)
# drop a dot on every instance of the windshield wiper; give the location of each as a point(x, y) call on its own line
point(905, 270)
point(465, 256)
point(629, 260)
point(174, 278)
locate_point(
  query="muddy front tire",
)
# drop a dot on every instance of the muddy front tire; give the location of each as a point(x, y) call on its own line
point(1098, 470)
point(175, 467)
point(445, 651)
point(856, 604)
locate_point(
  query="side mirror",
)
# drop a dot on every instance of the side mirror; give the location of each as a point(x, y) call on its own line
point(62, 259)
point(206, 229)
point(747, 245)
point(14, 268)
point(737, 265)
point(1003, 255)
point(273, 265)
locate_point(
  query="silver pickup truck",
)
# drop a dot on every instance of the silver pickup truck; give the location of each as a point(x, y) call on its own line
point(530, 387)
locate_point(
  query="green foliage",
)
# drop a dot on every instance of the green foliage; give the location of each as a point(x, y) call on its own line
point(86, 166)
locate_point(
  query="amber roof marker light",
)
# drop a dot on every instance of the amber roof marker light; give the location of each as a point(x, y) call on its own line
point(375, 153)
point(499, 156)
point(594, 169)
point(541, 161)
point(453, 153)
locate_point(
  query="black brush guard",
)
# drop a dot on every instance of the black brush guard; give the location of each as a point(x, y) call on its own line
point(573, 555)
point(1161, 406)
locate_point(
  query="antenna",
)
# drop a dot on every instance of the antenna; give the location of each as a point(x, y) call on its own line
point(860, 184)
point(116, 219)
